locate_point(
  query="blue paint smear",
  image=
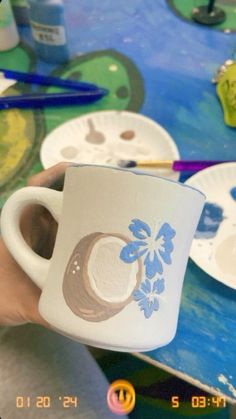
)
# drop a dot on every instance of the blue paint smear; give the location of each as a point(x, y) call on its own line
point(233, 193)
point(212, 216)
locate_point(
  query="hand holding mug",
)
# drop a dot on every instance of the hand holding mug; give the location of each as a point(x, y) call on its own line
point(116, 273)
point(19, 296)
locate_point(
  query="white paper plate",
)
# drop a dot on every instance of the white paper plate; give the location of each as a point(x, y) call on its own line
point(74, 141)
point(214, 246)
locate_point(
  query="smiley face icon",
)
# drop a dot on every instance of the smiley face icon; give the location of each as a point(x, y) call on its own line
point(121, 397)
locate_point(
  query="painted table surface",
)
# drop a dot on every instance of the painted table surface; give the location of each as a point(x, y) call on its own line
point(177, 61)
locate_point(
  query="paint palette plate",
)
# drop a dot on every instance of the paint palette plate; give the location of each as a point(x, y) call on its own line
point(214, 245)
point(105, 137)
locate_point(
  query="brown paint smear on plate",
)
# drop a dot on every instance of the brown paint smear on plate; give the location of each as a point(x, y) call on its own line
point(69, 152)
point(127, 135)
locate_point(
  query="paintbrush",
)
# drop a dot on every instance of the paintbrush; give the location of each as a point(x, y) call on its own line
point(39, 100)
point(176, 165)
point(33, 78)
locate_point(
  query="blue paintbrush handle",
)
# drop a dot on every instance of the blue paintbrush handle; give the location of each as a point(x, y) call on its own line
point(48, 80)
point(40, 100)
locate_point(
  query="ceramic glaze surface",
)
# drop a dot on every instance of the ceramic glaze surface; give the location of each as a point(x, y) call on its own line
point(116, 274)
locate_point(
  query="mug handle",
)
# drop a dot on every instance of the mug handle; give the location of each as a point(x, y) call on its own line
point(35, 266)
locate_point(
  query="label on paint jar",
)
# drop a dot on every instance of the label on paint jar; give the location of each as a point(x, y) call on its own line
point(6, 16)
point(48, 34)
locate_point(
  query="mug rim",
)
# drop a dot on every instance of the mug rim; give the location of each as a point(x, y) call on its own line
point(137, 172)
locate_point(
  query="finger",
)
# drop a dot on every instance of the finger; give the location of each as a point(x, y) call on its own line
point(32, 218)
point(44, 240)
point(49, 176)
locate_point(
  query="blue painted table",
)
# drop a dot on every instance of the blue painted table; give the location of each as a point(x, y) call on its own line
point(177, 61)
point(204, 349)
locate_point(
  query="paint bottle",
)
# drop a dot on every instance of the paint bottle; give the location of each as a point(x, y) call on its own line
point(21, 11)
point(9, 37)
point(48, 30)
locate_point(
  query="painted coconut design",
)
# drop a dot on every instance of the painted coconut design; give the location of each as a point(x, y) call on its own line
point(97, 284)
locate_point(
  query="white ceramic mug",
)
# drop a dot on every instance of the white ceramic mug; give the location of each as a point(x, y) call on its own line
point(115, 277)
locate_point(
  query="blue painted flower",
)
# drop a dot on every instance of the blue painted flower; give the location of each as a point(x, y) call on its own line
point(156, 249)
point(147, 296)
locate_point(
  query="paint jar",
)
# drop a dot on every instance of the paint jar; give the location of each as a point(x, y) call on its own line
point(21, 11)
point(48, 30)
point(9, 37)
